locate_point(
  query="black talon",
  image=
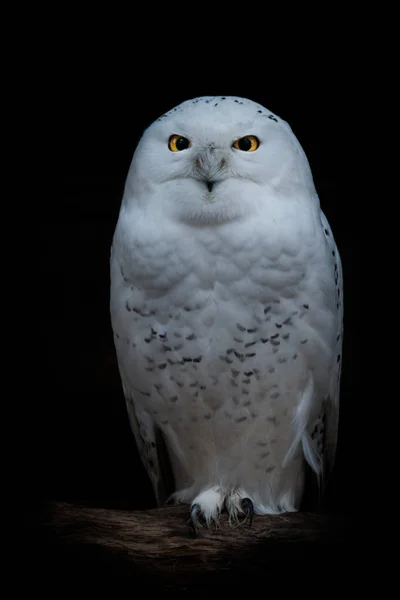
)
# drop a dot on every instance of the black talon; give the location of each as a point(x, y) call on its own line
point(193, 517)
point(248, 507)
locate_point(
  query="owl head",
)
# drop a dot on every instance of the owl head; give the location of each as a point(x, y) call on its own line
point(215, 159)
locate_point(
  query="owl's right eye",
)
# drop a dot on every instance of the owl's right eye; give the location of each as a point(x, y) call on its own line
point(176, 143)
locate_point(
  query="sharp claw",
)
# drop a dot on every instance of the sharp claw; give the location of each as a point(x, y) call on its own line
point(248, 507)
point(193, 519)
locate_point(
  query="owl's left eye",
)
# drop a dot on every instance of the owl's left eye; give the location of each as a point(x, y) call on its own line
point(176, 143)
point(249, 143)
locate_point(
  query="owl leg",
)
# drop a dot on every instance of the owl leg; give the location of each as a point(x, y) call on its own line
point(237, 504)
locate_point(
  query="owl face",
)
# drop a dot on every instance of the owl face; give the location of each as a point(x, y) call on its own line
point(217, 159)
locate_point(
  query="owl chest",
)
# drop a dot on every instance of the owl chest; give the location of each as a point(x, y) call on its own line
point(217, 322)
point(195, 326)
point(187, 300)
point(195, 352)
point(210, 281)
point(190, 272)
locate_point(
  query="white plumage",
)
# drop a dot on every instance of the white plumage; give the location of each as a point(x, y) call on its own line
point(226, 307)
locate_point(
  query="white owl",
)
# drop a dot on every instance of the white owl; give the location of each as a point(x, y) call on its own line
point(226, 307)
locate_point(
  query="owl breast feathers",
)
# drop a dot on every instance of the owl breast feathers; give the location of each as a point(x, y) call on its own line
point(226, 307)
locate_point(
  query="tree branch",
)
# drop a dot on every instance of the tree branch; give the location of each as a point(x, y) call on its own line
point(157, 546)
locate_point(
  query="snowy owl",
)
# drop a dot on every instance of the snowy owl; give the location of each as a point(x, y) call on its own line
point(226, 308)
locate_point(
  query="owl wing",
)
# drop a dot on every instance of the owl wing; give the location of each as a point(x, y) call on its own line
point(332, 403)
point(152, 449)
point(137, 389)
point(323, 432)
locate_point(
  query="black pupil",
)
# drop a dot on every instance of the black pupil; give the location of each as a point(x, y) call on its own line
point(244, 144)
point(182, 143)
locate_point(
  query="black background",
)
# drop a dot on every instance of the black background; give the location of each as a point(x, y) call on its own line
point(83, 450)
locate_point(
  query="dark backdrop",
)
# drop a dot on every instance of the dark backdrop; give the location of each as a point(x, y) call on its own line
point(83, 450)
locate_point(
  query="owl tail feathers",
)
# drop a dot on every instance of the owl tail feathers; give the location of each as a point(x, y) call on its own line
point(301, 421)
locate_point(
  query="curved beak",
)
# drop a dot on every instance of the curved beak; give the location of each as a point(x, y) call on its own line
point(210, 185)
point(210, 165)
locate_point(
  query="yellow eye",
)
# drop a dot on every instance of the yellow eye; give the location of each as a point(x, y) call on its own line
point(176, 143)
point(249, 143)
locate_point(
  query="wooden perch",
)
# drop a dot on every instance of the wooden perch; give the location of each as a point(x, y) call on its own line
point(158, 547)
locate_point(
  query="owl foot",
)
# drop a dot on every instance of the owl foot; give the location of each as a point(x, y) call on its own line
point(247, 507)
point(206, 508)
point(194, 519)
point(237, 504)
